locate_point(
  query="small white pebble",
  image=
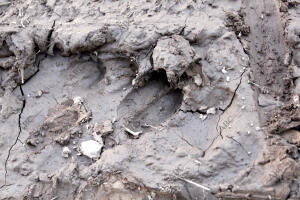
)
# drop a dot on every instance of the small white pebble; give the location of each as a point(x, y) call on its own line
point(224, 71)
point(257, 128)
point(248, 132)
point(249, 153)
point(296, 98)
point(243, 107)
point(77, 100)
point(211, 110)
point(202, 117)
point(251, 124)
point(243, 98)
point(124, 89)
point(66, 152)
point(227, 78)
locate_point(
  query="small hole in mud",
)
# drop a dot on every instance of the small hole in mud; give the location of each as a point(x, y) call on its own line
point(151, 104)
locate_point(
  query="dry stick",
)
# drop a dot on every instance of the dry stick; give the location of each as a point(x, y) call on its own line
point(133, 133)
point(193, 183)
point(5, 4)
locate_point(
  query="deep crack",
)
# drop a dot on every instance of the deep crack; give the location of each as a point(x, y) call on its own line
point(219, 131)
point(19, 121)
point(19, 133)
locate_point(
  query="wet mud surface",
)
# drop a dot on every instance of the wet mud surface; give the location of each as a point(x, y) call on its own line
point(149, 99)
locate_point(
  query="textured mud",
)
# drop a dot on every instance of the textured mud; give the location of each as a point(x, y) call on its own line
point(186, 99)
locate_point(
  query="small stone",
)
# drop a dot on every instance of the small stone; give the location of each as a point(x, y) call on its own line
point(202, 117)
point(296, 99)
point(77, 100)
point(104, 129)
point(243, 98)
point(40, 93)
point(66, 152)
point(198, 80)
point(251, 124)
point(249, 153)
point(248, 132)
point(257, 128)
point(211, 110)
point(91, 149)
point(224, 71)
point(243, 107)
point(227, 78)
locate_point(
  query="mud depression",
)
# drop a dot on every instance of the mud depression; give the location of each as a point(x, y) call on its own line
point(149, 99)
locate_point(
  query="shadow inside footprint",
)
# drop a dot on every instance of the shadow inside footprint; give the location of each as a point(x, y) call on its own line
point(150, 105)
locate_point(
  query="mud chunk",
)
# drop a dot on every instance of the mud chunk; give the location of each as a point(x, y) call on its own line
point(104, 129)
point(265, 100)
point(296, 57)
point(292, 136)
point(66, 152)
point(174, 55)
point(63, 138)
point(297, 88)
point(296, 71)
point(91, 149)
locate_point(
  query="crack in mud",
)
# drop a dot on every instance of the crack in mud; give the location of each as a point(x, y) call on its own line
point(19, 122)
point(223, 111)
point(19, 133)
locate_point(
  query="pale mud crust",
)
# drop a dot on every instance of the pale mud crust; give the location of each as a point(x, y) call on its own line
point(193, 99)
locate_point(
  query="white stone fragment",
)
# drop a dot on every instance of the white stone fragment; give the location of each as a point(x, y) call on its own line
point(66, 152)
point(257, 128)
point(198, 80)
point(77, 100)
point(224, 71)
point(202, 117)
point(91, 148)
point(211, 111)
point(227, 78)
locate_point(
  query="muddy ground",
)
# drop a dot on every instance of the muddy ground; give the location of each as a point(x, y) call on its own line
point(144, 99)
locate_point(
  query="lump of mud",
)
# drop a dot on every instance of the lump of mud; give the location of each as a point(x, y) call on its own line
point(174, 55)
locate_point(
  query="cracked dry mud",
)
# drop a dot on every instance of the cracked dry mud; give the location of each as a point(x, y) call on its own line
point(195, 99)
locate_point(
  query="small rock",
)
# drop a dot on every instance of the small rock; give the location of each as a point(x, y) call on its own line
point(202, 117)
point(180, 152)
point(211, 111)
point(224, 71)
point(198, 80)
point(66, 152)
point(91, 149)
point(227, 78)
point(296, 71)
point(104, 129)
point(77, 100)
point(40, 93)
